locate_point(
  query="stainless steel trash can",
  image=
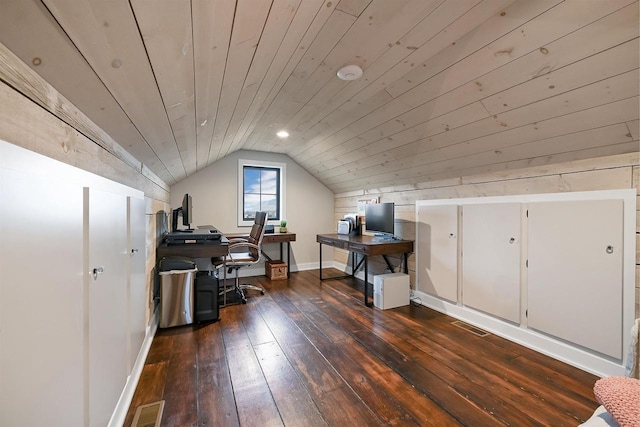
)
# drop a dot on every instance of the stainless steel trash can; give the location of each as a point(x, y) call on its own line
point(177, 276)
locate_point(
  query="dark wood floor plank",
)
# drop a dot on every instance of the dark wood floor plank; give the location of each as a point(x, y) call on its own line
point(181, 405)
point(293, 399)
point(580, 389)
point(254, 401)
point(161, 347)
point(540, 389)
point(432, 382)
point(476, 375)
point(149, 389)
point(505, 410)
point(305, 358)
point(367, 375)
point(385, 407)
point(509, 370)
point(309, 353)
point(550, 379)
point(257, 329)
point(216, 401)
point(425, 381)
point(327, 387)
point(342, 407)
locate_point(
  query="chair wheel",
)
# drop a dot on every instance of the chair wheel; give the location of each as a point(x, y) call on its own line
point(261, 292)
point(244, 301)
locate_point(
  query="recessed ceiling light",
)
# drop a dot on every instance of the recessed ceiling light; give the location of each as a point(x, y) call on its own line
point(350, 72)
point(283, 134)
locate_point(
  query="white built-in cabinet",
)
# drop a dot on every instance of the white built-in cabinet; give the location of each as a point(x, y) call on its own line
point(136, 278)
point(551, 271)
point(575, 272)
point(491, 259)
point(437, 244)
point(72, 304)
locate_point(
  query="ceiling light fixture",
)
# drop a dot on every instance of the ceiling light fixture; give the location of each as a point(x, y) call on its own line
point(283, 134)
point(350, 72)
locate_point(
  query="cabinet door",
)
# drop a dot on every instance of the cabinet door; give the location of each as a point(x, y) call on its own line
point(105, 216)
point(41, 310)
point(574, 281)
point(137, 292)
point(437, 251)
point(491, 259)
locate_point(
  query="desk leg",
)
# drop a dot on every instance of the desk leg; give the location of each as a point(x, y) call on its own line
point(366, 282)
point(281, 251)
point(320, 261)
point(353, 264)
point(288, 258)
point(406, 263)
point(224, 282)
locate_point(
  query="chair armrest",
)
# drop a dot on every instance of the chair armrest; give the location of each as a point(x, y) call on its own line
point(244, 245)
point(237, 240)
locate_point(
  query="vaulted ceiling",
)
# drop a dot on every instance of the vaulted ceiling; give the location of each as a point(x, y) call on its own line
point(450, 87)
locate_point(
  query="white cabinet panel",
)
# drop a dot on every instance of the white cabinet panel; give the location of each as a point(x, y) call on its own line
point(136, 223)
point(105, 217)
point(65, 345)
point(42, 301)
point(491, 259)
point(437, 250)
point(574, 284)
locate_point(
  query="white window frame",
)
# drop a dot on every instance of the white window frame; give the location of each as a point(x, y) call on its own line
point(283, 178)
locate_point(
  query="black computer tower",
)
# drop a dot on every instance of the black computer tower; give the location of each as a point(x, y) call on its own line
point(206, 298)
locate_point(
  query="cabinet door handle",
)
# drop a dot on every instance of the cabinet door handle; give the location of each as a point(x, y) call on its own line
point(96, 272)
point(609, 249)
point(134, 251)
point(512, 240)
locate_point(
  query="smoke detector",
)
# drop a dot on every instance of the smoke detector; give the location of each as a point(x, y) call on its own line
point(350, 72)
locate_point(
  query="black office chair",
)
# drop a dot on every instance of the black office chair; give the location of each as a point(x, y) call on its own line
point(250, 254)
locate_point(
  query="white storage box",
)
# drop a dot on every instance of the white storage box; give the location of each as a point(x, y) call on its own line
point(391, 290)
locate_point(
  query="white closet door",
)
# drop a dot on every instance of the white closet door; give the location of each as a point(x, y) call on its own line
point(574, 283)
point(107, 252)
point(437, 251)
point(491, 259)
point(136, 222)
point(41, 309)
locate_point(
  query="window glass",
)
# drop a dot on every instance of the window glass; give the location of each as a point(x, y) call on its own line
point(261, 187)
point(261, 192)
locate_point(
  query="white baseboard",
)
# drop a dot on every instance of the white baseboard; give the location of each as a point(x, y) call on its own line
point(120, 412)
point(539, 342)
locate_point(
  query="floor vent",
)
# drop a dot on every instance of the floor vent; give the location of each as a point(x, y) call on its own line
point(148, 415)
point(467, 327)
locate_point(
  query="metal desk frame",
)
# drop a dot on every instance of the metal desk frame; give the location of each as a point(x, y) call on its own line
point(367, 246)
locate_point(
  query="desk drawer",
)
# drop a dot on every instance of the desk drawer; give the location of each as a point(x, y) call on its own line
point(356, 247)
point(334, 243)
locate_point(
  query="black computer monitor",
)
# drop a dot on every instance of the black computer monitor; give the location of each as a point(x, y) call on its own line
point(187, 211)
point(379, 218)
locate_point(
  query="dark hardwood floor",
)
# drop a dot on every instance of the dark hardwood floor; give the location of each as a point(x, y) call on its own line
point(308, 353)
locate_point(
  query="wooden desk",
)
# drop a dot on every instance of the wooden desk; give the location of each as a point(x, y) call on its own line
point(367, 246)
point(274, 238)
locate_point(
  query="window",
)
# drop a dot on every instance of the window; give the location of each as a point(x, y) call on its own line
point(260, 189)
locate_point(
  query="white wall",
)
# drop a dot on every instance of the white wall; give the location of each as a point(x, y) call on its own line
point(309, 204)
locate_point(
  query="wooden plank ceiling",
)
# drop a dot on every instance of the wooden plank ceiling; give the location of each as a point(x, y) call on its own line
point(450, 87)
